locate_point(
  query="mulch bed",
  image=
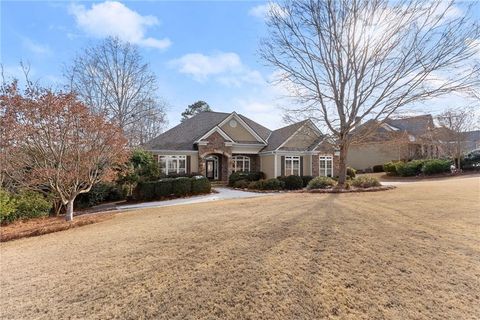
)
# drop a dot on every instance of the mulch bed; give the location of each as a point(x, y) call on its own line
point(44, 225)
point(351, 190)
point(332, 190)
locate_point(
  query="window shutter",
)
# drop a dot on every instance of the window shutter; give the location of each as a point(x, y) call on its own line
point(282, 166)
point(189, 168)
point(301, 165)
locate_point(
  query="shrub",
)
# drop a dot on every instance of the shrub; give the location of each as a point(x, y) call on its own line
point(390, 168)
point(365, 182)
point(409, 169)
point(436, 166)
point(163, 188)
point(378, 168)
point(270, 184)
point(351, 173)
point(273, 184)
point(200, 185)
point(181, 186)
point(8, 206)
point(293, 182)
point(249, 176)
point(25, 205)
point(306, 180)
point(31, 205)
point(145, 191)
point(321, 183)
point(241, 184)
point(471, 161)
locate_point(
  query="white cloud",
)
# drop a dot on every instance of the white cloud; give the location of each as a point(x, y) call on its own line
point(224, 67)
point(263, 11)
point(34, 47)
point(112, 18)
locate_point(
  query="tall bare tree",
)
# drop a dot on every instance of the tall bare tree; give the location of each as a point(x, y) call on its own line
point(111, 78)
point(454, 124)
point(347, 61)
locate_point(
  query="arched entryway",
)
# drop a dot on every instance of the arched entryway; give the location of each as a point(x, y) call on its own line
point(212, 167)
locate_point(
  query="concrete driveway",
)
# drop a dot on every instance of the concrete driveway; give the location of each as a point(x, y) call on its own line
point(223, 194)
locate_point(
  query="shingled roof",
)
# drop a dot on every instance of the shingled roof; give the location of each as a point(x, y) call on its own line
point(183, 136)
point(280, 135)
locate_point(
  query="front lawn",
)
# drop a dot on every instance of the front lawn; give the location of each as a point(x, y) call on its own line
point(409, 253)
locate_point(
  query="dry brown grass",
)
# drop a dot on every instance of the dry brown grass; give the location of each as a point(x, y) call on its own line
point(408, 253)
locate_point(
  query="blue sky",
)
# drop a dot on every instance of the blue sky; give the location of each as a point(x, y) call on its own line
point(198, 50)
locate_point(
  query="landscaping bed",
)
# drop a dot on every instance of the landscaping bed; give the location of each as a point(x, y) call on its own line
point(350, 190)
point(38, 226)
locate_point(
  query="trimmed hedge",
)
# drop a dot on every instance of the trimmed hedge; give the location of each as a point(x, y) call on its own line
point(270, 184)
point(171, 187)
point(200, 185)
point(436, 166)
point(409, 169)
point(248, 176)
point(390, 168)
point(365, 182)
point(417, 167)
point(292, 182)
point(182, 186)
point(241, 184)
point(321, 183)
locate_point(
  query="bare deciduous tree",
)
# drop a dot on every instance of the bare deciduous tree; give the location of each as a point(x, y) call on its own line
point(454, 123)
point(54, 142)
point(349, 61)
point(112, 79)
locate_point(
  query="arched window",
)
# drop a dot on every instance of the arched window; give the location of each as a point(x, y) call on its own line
point(241, 163)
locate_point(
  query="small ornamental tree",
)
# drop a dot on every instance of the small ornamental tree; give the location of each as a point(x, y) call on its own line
point(56, 143)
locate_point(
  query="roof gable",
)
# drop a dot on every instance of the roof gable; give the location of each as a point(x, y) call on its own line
point(184, 135)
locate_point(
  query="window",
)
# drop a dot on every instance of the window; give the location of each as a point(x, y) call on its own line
point(292, 166)
point(241, 163)
point(326, 166)
point(172, 164)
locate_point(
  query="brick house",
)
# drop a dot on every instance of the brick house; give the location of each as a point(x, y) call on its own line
point(215, 144)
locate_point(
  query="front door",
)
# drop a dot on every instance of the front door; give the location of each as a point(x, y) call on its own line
point(210, 164)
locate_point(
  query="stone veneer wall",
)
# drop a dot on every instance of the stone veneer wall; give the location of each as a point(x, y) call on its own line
point(216, 146)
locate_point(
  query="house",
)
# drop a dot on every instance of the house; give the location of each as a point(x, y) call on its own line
point(396, 139)
point(472, 140)
point(215, 144)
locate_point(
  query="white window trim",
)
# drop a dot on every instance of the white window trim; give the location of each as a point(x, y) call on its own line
point(176, 158)
point(325, 158)
point(292, 158)
point(244, 159)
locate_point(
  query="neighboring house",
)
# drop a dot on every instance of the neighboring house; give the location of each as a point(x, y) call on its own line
point(472, 140)
point(215, 144)
point(396, 139)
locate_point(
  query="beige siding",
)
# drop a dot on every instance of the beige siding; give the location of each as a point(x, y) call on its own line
point(307, 164)
point(238, 133)
point(302, 139)
point(267, 165)
point(365, 156)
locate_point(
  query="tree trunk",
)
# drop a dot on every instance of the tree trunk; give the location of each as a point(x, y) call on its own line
point(69, 215)
point(342, 168)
